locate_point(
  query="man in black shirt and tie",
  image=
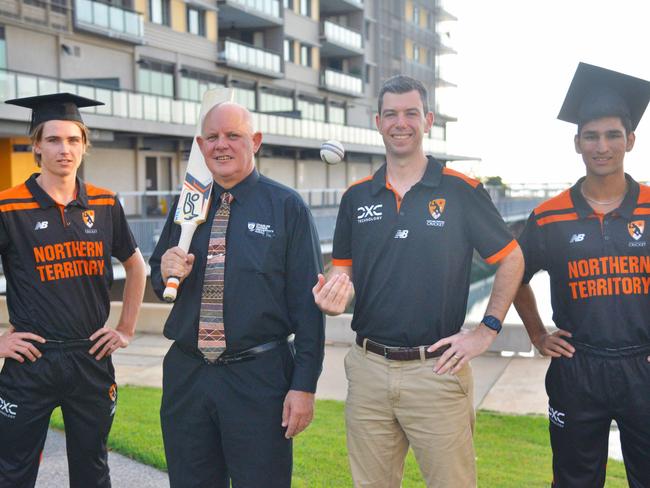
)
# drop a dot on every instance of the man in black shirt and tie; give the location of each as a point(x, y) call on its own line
point(235, 390)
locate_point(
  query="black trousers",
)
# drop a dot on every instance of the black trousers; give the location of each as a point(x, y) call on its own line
point(85, 390)
point(585, 394)
point(224, 422)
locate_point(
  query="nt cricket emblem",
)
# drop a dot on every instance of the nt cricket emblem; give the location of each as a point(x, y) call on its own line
point(89, 218)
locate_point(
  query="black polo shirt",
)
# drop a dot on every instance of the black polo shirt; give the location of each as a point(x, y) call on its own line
point(272, 262)
point(599, 265)
point(411, 260)
point(57, 259)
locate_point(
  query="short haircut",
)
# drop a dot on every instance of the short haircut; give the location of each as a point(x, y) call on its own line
point(37, 134)
point(403, 84)
point(625, 120)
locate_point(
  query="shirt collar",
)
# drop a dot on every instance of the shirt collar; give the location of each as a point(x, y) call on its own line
point(626, 209)
point(431, 177)
point(45, 200)
point(240, 190)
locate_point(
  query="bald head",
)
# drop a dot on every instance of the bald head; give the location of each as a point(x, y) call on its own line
point(228, 143)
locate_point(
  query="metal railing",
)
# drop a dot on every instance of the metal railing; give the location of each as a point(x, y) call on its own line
point(342, 35)
point(253, 58)
point(110, 19)
point(268, 7)
point(336, 80)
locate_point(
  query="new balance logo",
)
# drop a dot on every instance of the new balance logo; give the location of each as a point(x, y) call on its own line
point(401, 234)
point(7, 409)
point(577, 238)
point(41, 225)
point(556, 417)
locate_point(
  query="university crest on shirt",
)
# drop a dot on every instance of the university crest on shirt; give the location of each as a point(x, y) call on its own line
point(436, 207)
point(88, 217)
point(636, 229)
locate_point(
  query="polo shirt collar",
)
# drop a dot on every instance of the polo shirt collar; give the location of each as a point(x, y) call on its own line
point(626, 209)
point(240, 190)
point(431, 177)
point(44, 200)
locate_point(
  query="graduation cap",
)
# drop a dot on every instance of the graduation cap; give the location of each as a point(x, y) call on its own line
point(598, 92)
point(58, 106)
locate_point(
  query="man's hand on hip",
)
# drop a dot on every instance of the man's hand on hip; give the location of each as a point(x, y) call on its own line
point(17, 345)
point(463, 346)
point(298, 412)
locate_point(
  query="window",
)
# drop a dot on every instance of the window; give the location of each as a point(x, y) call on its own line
point(438, 132)
point(368, 27)
point(194, 84)
point(311, 110)
point(337, 115)
point(245, 97)
point(195, 21)
point(3, 49)
point(288, 4)
point(156, 78)
point(416, 15)
point(271, 102)
point(159, 12)
point(305, 55)
point(289, 50)
point(416, 53)
point(305, 8)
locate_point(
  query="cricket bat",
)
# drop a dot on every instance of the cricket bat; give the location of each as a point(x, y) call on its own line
point(194, 202)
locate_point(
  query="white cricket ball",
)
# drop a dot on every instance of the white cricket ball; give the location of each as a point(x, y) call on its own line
point(332, 152)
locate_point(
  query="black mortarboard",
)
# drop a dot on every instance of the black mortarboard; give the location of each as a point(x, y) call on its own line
point(58, 106)
point(598, 92)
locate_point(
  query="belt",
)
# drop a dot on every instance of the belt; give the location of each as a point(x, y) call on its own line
point(611, 352)
point(235, 357)
point(69, 345)
point(400, 353)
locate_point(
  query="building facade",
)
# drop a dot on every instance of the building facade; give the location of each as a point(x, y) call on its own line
point(308, 69)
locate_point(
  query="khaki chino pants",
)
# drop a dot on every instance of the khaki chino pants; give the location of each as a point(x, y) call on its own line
point(394, 404)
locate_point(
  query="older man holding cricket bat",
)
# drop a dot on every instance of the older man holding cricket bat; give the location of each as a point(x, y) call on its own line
point(236, 387)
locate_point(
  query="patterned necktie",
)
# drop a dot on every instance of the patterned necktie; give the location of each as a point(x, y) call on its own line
point(212, 335)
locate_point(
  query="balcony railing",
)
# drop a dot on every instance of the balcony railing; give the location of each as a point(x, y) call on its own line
point(342, 82)
point(267, 7)
point(154, 108)
point(342, 35)
point(244, 56)
point(109, 20)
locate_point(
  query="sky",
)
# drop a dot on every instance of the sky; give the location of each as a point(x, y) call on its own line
point(515, 61)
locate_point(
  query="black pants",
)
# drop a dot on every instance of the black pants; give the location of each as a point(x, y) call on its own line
point(85, 390)
point(224, 421)
point(585, 394)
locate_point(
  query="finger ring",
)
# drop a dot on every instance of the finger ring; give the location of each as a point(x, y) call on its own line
point(456, 357)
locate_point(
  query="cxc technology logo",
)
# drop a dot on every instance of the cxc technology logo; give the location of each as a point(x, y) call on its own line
point(556, 417)
point(369, 213)
point(8, 409)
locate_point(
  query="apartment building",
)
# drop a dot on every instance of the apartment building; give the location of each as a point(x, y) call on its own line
point(308, 69)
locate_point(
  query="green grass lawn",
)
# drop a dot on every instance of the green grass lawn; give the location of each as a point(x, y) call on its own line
point(512, 451)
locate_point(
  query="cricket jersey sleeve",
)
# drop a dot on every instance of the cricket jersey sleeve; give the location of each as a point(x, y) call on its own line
point(488, 232)
point(4, 236)
point(342, 245)
point(124, 244)
point(532, 245)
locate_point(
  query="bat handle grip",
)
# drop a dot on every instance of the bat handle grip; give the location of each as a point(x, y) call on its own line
point(172, 288)
point(187, 232)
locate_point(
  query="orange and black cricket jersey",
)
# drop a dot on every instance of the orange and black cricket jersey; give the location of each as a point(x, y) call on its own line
point(57, 259)
point(599, 265)
point(411, 259)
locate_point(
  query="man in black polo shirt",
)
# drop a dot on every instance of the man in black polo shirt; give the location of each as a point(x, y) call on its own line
point(405, 237)
point(234, 416)
point(57, 237)
point(592, 240)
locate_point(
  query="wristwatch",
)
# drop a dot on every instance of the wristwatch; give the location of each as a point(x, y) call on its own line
point(492, 322)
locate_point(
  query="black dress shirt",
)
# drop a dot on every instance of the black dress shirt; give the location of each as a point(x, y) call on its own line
point(272, 261)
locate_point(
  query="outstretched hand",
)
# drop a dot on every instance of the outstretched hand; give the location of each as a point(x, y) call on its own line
point(333, 296)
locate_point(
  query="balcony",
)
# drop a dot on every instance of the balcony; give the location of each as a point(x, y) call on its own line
point(332, 7)
point(242, 56)
point(249, 14)
point(341, 82)
point(338, 41)
point(109, 20)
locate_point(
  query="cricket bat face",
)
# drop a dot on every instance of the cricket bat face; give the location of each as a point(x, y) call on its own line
point(195, 194)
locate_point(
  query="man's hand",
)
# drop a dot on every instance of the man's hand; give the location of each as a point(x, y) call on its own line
point(176, 262)
point(463, 346)
point(15, 345)
point(108, 341)
point(334, 295)
point(298, 412)
point(553, 345)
